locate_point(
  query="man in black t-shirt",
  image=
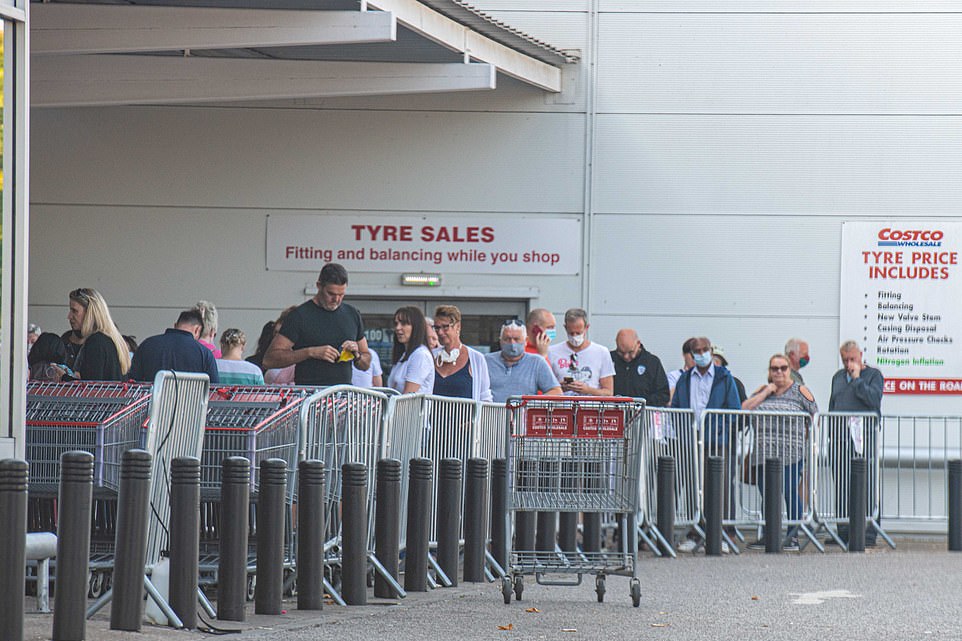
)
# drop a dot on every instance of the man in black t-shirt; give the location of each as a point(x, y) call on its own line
point(316, 334)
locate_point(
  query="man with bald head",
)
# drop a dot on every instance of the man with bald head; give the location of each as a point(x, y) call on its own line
point(638, 372)
point(540, 327)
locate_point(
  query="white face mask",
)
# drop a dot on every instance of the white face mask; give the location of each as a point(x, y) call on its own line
point(445, 356)
point(576, 341)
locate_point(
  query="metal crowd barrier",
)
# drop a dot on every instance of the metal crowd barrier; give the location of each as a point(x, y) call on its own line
point(674, 433)
point(175, 428)
point(744, 440)
point(914, 456)
point(842, 436)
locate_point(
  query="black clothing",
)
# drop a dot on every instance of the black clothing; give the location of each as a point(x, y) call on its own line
point(644, 377)
point(176, 350)
point(310, 325)
point(72, 348)
point(97, 359)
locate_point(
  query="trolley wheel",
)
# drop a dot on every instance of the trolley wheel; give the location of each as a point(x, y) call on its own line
point(518, 587)
point(600, 587)
point(96, 586)
point(251, 586)
point(506, 589)
point(635, 592)
point(290, 584)
point(108, 579)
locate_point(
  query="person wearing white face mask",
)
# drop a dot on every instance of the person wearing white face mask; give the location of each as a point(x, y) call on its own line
point(516, 373)
point(584, 368)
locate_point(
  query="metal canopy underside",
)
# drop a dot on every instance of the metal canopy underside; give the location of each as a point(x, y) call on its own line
point(115, 52)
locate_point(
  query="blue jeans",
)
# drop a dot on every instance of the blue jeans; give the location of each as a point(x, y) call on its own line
point(791, 476)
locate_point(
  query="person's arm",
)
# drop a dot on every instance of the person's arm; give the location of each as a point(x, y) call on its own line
point(410, 387)
point(377, 381)
point(760, 395)
point(547, 383)
point(733, 400)
point(362, 358)
point(281, 353)
point(484, 379)
point(869, 387)
point(211, 366)
point(605, 387)
point(93, 366)
point(660, 395)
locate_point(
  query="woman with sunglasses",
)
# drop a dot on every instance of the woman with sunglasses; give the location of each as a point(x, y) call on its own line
point(103, 353)
point(460, 372)
point(782, 437)
point(413, 369)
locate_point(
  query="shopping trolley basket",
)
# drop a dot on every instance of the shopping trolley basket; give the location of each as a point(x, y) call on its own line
point(258, 423)
point(574, 454)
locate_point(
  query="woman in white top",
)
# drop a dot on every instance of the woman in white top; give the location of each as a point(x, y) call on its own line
point(413, 369)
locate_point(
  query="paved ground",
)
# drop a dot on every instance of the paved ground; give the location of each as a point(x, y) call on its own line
point(909, 593)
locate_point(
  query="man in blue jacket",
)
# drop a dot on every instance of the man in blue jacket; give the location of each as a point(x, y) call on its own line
point(707, 386)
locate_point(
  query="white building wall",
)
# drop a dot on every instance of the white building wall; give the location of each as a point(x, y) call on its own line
point(728, 144)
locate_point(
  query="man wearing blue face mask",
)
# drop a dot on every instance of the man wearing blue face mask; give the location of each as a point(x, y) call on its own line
point(514, 372)
point(541, 332)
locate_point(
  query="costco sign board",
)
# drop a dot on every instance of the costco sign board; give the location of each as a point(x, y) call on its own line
point(901, 287)
point(452, 244)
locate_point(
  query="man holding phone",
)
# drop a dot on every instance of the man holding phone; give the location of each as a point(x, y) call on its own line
point(584, 368)
point(540, 327)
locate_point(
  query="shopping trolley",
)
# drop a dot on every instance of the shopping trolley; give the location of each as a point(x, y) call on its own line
point(103, 418)
point(574, 454)
point(258, 423)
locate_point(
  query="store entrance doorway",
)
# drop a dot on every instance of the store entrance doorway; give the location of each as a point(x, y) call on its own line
point(481, 321)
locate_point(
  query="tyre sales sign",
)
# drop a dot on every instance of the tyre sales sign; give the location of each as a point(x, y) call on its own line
point(901, 284)
point(444, 243)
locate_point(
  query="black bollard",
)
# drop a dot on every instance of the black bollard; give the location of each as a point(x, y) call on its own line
point(448, 525)
point(955, 505)
point(568, 521)
point(354, 533)
point(13, 557)
point(310, 535)
point(387, 523)
point(184, 538)
point(856, 505)
point(773, 505)
point(499, 489)
point(666, 499)
point(591, 534)
point(73, 547)
point(133, 510)
point(713, 506)
point(547, 521)
point(420, 477)
point(475, 519)
point(269, 593)
point(234, 531)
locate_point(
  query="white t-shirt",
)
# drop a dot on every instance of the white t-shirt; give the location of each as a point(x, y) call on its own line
point(418, 368)
point(360, 378)
point(590, 365)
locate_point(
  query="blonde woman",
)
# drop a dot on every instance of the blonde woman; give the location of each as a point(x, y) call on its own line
point(103, 354)
point(232, 369)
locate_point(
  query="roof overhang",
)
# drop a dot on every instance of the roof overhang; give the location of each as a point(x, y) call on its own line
point(157, 52)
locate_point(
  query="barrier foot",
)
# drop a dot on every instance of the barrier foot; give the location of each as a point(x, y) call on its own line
point(833, 533)
point(445, 581)
point(391, 581)
point(493, 567)
point(161, 602)
point(99, 604)
point(882, 533)
point(335, 595)
point(664, 544)
point(431, 582)
point(205, 603)
point(652, 546)
point(731, 542)
point(810, 536)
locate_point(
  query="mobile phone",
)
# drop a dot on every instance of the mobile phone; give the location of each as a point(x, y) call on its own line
point(568, 379)
point(536, 331)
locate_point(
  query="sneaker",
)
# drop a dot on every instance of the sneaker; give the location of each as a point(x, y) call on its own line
point(725, 548)
point(791, 544)
point(688, 545)
point(757, 545)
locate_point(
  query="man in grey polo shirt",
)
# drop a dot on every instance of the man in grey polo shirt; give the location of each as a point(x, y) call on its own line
point(515, 373)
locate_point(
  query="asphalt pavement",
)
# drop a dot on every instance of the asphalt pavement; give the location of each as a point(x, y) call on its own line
point(912, 592)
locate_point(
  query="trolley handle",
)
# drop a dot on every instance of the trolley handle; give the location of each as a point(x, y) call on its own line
point(516, 402)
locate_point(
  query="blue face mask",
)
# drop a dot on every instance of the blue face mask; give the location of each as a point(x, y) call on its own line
point(512, 350)
point(703, 359)
point(551, 334)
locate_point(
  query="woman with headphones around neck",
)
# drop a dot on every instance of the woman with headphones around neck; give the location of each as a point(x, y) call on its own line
point(460, 371)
